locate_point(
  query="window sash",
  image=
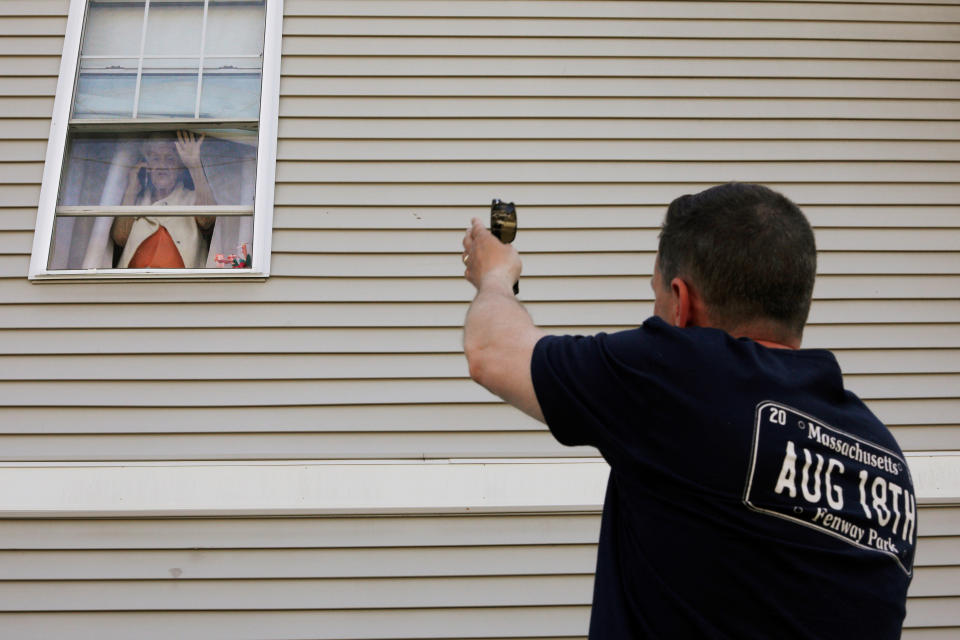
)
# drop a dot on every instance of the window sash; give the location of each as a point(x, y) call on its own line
point(147, 61)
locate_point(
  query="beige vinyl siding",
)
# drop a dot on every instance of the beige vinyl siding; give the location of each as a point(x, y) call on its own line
point(399, 121)
point(387, 577)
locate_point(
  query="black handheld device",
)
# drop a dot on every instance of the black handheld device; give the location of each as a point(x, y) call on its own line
point(503, 225)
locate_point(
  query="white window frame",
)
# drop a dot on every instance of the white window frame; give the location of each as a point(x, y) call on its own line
point(266, 165)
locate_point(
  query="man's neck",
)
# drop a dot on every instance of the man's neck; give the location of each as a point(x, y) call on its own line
point(769, 335)
point(773, 345)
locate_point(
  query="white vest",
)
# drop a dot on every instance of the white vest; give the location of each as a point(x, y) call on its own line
point(183, 230)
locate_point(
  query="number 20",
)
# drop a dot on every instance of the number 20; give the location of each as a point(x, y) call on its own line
point(778, 416)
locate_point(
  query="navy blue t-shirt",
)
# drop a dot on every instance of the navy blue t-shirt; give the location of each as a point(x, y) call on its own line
point(750, 495)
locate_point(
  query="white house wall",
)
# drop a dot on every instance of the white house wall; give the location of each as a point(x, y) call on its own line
point(398, 122)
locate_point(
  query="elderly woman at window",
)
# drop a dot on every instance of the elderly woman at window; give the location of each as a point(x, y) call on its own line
point(170, 173)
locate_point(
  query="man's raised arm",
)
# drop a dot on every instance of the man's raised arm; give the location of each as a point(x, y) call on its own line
point(499, 335)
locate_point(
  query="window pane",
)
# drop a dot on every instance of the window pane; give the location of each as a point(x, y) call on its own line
point(173, 28)
point(105, 88)
point(113, 29)
point(235, 28)
point(110, 169)
point(152, 242)
point(231, 88)
point(168, 88)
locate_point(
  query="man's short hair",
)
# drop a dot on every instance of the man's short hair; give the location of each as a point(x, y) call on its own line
point(748, 250)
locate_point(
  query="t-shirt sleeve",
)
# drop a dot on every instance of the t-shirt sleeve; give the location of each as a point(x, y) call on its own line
point(580, 389)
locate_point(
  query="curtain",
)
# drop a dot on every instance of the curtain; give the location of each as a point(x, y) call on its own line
point(96, 173)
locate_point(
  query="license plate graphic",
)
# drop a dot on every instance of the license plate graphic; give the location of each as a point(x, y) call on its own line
point(818, 476)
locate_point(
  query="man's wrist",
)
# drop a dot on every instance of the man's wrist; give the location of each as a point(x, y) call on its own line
point(497, 281)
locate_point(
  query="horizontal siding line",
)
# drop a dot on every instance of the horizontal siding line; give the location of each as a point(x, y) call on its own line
point(614, 38)
point(561, 48)
point(229, 403)
point(851, 380)
point(444, 532)
point(290, 58)
point(468, 394)
point(892, 163)
point(569, 138)
point(553, 160)
point(942, 375)
point(546, 182)
point(579, 559)
point(853, 338)
point(546, 295)
point(588, 118)
point(548, 622)
point(575, 309)
point(295, 18)
point(594, 98)
point(187, 444)
point(560, 55)
point(947, 273)
point(493, 547)
point(547, 156)
point(706, 76)
point(600, 37)
point(597, 96)
point(561, 138)
point(568, 216)
point(591, 118)
point(701, 100)
point(434, 443)
point(859, 30)
point(426, 351)
point(452, 577)
point(599, 76)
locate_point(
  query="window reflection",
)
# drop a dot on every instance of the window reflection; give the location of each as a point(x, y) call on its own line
point(174, 28)
point(113, 29)
point(231, 88)
point(235, 28)
point(106, 88)
point(150, 62)
point(168, 89)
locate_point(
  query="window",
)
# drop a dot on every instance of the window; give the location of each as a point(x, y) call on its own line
point(163, 143)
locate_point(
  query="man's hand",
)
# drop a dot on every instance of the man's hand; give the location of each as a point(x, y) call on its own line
point(488, 261)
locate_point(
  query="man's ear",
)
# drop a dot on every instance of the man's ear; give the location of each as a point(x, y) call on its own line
point(681, 302)
point(688, 307)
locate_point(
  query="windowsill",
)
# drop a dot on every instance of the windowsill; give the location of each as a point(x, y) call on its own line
point(151, 275)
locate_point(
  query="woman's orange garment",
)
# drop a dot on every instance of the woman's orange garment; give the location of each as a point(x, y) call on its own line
point(158, 251)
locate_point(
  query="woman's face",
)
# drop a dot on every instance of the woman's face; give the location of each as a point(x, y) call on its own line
point(163, 163)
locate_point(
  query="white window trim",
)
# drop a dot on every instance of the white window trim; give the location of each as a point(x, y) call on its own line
point(316, 487)
point(266, 165)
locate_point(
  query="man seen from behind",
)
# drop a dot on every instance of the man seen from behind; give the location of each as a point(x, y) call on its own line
point(750, 494)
